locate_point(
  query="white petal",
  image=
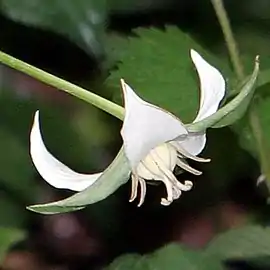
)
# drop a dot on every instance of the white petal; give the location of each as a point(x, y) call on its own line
point(212, 86)
point(146, 126)
point(194, 143)
point(53, 171)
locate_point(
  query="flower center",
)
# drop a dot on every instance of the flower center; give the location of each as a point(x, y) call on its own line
point(163, 157)
point(159, 165)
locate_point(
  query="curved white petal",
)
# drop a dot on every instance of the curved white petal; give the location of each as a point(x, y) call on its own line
point(212, 86)
point(194, 143)
point(53, 171)
point(146, 126)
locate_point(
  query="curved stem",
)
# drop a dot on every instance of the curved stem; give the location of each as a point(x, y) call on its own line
point(228, 35)
point(261, 145)
point(63, 85)
point(238, 67)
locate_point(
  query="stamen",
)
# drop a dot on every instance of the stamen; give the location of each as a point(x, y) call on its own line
point(143, 191)
point(169, 188)
point(158, 165)
point(184, 187)
point(134, 187)
point(165, 202)
point(188, 184)
point(181, 163)
point(168, 174)
point(186, 154)
point(176, 193)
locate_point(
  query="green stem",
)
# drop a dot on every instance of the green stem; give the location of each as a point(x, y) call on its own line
point(228, 36)
point(63, 85)
point(259, 137)
point(238, 67)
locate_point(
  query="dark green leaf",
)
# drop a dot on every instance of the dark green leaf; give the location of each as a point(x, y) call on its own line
point(242, 243)
point(173, 257)
point(81, 21)
point(129, 261)
point(158, 66)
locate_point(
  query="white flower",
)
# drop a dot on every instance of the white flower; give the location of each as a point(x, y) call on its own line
point(155, 141)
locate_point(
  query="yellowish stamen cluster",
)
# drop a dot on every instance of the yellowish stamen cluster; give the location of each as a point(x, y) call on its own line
point(158, 165)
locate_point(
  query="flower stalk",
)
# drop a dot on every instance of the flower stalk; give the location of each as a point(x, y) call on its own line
point(239, 71)
point(77, 91)
point(229, 38)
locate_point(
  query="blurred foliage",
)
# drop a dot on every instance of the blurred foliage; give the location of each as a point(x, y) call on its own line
point(152, 55)
point(245, 243)
point(81, 21)
point(172, 257)
point(242, 243)
point(8, 236)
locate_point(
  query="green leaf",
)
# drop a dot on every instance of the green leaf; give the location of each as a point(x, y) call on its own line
point(232, 111)
point(176, 257)
point(129, 261)
point(8, 237)
point(173, 257)
point(158, 66)
point(242, 243)
point(113, 177)
point(81, 21)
